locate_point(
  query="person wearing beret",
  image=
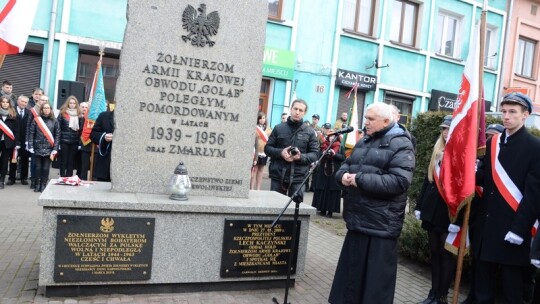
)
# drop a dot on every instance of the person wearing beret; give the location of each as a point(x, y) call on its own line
point(432, 210)
point(510, 177)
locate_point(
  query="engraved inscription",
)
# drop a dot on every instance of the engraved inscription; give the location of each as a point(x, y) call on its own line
point(85, 253)
point(254, 248)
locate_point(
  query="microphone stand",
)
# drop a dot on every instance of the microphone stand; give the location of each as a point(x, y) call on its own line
point(298, 199)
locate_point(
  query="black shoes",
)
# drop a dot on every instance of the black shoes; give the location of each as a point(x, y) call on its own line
point(24, 182)
point(430, 299)
point(10, 182)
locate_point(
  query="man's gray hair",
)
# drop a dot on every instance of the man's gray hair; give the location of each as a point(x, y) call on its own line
point(382, 109)
point(22, 97)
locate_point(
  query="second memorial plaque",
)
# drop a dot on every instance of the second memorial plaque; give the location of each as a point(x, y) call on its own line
point(254, 248)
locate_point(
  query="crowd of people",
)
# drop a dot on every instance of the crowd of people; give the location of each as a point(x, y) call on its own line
point(372, 184)
point(33, 139)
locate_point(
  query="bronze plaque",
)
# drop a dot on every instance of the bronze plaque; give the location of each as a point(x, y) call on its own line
point(253, 248)
point(103, 248)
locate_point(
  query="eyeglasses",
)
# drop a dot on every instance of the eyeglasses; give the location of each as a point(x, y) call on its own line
point(43, 100)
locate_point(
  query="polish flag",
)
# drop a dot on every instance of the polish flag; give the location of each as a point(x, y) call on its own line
point(457, 176)
point(15, 23)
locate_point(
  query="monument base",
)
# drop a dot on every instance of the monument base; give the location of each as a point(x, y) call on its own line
point(183, 246)
point(91, 290)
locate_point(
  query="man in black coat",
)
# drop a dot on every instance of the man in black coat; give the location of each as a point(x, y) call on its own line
point(292, 147)
point(510, 177)
point(375, 180)
point(23, 115)
point(102, 136)
point(34, 99)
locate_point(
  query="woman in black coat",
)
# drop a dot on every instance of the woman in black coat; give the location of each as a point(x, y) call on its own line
point(433, 212)
point(8, 136)
point(327, 192)
point(42, 145)
point(70, 131)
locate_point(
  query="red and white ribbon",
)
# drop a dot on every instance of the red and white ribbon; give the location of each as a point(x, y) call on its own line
point(7, 131)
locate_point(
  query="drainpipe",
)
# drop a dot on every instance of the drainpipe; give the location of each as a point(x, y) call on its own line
point(50, 47)
point(506, 32)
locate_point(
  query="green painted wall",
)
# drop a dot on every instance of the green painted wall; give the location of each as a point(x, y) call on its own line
point(100, 19)
point(406, 69)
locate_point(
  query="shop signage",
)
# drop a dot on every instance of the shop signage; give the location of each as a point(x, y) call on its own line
point(278, 63)
point(365, 82)
point(445, 101)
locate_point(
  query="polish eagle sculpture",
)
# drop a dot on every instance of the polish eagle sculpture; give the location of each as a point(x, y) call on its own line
point(200, 27)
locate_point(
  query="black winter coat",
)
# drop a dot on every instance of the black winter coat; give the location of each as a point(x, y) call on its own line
point(434, 211)
point(294, 134)
point(104, 124)
point(13, 125)
point(38, 141)
point(384, 164)
point(67, 134)
point(495, 218)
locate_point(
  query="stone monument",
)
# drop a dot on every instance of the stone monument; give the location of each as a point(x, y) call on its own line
point(188, 91)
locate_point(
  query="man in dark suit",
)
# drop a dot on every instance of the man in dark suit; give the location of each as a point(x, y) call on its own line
point(23, 115)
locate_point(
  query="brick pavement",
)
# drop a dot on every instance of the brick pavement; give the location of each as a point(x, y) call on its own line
point(19, 266)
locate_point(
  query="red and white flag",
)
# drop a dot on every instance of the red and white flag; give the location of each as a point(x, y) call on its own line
point(15, 23)
point(457, 176)
point(352, 138)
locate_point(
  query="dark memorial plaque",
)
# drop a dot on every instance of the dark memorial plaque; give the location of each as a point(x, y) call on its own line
point(253, 248)
point(102, 248)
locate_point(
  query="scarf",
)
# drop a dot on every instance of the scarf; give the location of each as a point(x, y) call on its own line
point(4, 112)
point(73, 119)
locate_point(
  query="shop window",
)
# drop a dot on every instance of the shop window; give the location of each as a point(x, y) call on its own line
point(403, 102)
point(525, 57)
point(84, 71)
point(404, 22)
point(87, 68)
point(446, 35)
point(274, 9)
point(110, 71)
point(358, 16)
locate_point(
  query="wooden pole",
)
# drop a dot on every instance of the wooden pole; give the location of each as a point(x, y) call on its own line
point(465, 225)
point(2, 57)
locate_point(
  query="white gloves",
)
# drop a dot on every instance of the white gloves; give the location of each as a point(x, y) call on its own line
point(17, 147)
point(31, 150)
point(536, 263)
point(417, 214)
point(513, 238)
point(453, 228)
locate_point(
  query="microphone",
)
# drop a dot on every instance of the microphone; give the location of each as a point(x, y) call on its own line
point(343, 131)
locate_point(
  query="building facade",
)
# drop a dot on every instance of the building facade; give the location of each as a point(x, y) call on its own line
point(410, 53)
point(521, 71)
